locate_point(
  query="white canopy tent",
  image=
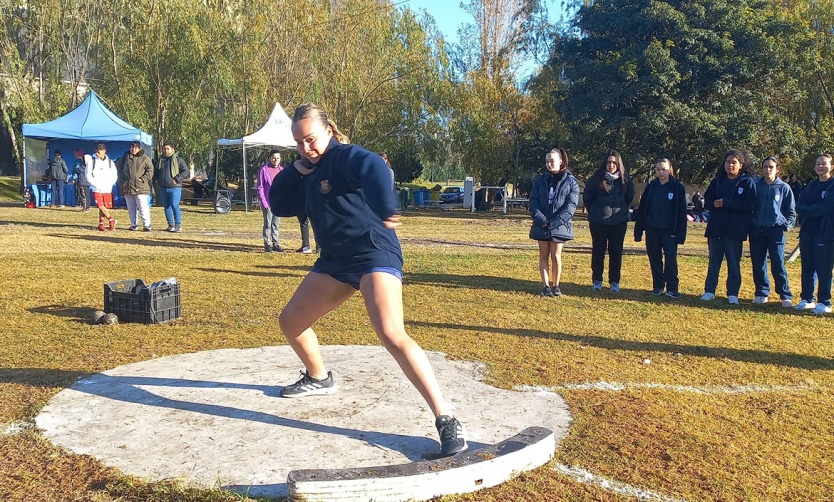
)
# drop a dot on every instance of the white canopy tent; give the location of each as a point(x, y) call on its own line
point(275, 133)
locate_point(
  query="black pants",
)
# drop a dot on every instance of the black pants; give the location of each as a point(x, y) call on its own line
point(81, 198)
point(659, 243)
point(304, 221)
point(608, 237)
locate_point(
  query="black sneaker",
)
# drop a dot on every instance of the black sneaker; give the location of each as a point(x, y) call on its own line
point(674, 295)
point(278, 249)
point(546, 292)
point(657, 292)
point(451, 435)
point(556, 291)
point(308, 386)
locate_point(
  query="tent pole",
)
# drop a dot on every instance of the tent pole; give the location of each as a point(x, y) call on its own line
point(24, 178)
point(245, 182)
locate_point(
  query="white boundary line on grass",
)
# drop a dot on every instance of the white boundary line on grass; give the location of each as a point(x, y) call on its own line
point(710, 389)
point(584, 476)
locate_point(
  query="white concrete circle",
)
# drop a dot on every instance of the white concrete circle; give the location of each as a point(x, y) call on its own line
point(216, 417)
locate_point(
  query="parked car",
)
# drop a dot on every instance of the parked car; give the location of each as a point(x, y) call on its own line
point(452, 194)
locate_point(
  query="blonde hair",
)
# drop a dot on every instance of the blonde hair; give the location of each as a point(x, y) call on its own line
point(315, 112)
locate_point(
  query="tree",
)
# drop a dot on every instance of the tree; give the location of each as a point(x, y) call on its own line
point(681, 79)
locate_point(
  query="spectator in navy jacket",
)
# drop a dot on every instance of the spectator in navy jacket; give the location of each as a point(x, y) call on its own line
point(58, 173)
point(608, 195)
point(730, 199)
point(816, 238)
point(773, 216)
point(553, 201)
point(346, 192)
point(662, 215)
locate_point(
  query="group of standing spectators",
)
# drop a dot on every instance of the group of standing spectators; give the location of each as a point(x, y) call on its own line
point(740, 206)
point(135, 173)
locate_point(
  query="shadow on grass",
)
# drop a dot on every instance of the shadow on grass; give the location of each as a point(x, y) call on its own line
point(42, 224)
point(78, 314)
point(257, 274)
point(177, 243)
point(742, 355)
point(40, 377)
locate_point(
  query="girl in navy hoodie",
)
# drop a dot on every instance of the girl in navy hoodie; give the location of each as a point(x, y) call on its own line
point(730, 199)
point(553, 201)
point(346, 192)
point(816, 238)
point(662, 215)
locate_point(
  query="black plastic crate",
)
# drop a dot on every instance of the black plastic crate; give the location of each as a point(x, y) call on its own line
point(132, 301)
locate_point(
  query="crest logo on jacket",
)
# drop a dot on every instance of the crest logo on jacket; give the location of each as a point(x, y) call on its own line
point(670, 195)
point(777, 197)
point(823, 194)
point(324, 186)
point(740, 190)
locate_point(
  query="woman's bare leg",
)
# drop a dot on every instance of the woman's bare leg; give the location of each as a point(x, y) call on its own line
point(556, 256)
point(544, 263)
point(317, 295)
point(384, 302)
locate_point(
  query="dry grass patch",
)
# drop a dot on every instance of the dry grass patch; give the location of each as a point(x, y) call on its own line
point(704, 401)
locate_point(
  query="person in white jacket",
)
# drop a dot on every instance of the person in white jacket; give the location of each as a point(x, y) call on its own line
point(102, 175)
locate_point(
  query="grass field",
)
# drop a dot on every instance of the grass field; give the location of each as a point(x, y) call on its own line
point(679, 399)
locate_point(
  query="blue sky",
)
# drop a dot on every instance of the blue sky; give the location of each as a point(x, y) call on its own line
point(448, 14)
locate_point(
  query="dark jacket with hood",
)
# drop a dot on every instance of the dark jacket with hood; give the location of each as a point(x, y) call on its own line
point(732, 220)
point(57, 169)
point(816, 206)
point(553, 201)
point(164, 176)
point(607, 207)
point(347, 198)
point(135, 173)
point(673, 207)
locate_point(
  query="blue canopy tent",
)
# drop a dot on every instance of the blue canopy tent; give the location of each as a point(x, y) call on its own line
point(82, 128)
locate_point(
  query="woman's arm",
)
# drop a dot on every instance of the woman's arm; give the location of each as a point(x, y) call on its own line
point(536, 212)
point(566, 211)
point(286, 194)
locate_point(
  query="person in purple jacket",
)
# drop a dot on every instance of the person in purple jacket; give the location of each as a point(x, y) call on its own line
point(265, 176)
point(346, 192)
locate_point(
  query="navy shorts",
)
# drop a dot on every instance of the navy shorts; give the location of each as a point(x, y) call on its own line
point(354, 278)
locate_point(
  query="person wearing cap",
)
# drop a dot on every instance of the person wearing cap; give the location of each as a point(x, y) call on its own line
point(135, 175)
point(169, 175)
point(79, 177)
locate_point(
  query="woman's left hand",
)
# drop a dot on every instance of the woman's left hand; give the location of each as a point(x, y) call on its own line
point(392, 222)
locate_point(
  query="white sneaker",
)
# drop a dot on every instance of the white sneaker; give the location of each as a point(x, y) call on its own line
point(707, 297)
point(805, 305)
point(732, 300)
point(787, 304)
point(759, 300)
point(822, 308)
